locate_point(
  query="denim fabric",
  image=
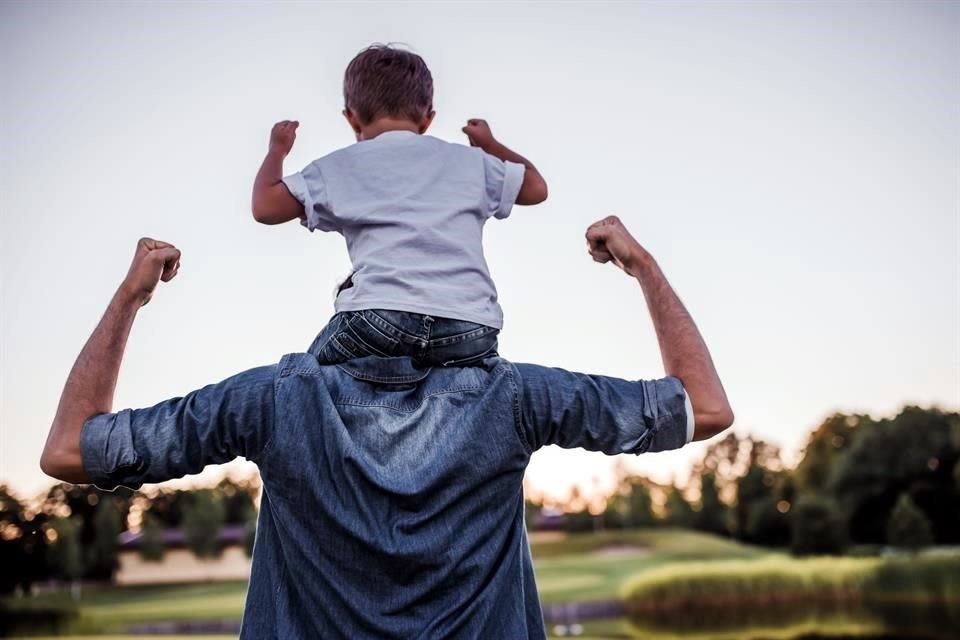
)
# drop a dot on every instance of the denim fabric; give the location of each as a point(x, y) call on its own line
point(392, 499)
point(430, 341)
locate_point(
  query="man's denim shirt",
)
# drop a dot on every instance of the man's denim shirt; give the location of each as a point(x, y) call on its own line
point(392, 501)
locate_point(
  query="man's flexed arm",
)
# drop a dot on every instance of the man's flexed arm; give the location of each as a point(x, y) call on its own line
point(684, 353)
point(93, 379)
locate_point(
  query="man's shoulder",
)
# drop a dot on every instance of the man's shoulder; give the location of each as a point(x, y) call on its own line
point(292, 363)
point(397, 370)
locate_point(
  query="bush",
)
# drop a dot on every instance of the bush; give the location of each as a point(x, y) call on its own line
point(760, 582)
point(766, 525)
point(152, 548)
point(817, 528)
point(908, 527)
point(202, 521)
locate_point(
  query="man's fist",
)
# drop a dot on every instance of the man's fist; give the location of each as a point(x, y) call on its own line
point(153, 261)
point(282, 136)
point(609, 241)
point(478, 132)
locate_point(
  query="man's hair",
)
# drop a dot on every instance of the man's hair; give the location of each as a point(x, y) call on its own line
point(385, 81)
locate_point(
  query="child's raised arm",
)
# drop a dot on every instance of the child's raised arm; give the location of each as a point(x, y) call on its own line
point(272, 202)
point(534, 188)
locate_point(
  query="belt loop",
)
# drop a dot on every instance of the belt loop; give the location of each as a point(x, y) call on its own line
point(427, 324)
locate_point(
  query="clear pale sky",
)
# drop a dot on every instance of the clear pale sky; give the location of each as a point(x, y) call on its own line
point(793, 166)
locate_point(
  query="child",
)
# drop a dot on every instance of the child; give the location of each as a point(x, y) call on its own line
point(411, 208)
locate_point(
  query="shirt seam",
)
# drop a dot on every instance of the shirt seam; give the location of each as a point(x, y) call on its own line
point(517, 413)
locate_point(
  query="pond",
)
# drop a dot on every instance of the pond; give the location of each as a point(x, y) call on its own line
point(902, 620)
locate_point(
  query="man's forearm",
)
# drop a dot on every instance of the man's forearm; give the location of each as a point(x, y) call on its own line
point(89, 388)
point(93, 379)
point(684, 352)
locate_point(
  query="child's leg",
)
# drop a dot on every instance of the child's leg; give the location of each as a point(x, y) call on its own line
point(342, 340)
point(458, 343)
point(429, 340)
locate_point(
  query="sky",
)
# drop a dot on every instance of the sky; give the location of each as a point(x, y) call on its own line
point(794, 167)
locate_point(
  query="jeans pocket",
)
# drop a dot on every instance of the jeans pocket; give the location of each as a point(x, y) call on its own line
point(467, 352)
point(369, 337)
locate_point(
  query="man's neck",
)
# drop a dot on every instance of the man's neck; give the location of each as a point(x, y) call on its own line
point(382, 125)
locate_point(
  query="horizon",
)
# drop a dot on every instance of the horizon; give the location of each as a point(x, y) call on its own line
point(793, 168)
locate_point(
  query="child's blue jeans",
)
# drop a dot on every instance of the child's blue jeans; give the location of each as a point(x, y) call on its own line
point(428, 340)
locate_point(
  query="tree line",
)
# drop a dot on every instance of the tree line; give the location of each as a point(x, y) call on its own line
point(71, 533)
point(861, 483)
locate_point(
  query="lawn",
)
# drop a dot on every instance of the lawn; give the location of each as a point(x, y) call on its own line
point(595, 566)
point(575, 568)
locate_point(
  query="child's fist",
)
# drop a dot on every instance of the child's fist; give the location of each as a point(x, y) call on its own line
point(478, 132)
point(282, 136)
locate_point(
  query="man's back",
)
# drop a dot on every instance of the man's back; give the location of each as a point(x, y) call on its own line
point(392, 503)
point(392, 506)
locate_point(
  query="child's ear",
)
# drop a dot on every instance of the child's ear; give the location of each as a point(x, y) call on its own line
point(427, 121)
point(353, 121)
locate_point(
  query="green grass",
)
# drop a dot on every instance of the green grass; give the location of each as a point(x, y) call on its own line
point(582, 567)
point(114, 609)
point(577, 567)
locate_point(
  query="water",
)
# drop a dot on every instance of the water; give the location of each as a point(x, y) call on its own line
point(786, 621)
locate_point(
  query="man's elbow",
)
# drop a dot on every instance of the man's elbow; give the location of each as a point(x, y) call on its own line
point(51, 464)
point(708, 424)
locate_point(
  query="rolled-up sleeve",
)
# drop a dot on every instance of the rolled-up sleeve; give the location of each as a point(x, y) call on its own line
point(600, 413)
point(503, 182)
point(181, 436)
point(308, 186)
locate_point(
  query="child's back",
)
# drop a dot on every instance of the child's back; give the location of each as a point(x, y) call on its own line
point(411, 208)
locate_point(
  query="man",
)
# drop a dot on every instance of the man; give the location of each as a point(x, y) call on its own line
point(392, 504)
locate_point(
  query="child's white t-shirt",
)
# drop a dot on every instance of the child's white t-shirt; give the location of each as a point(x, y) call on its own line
point(412, 208)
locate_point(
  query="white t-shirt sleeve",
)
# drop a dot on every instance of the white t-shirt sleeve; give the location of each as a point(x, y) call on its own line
point(309, 187)
point(503, 182)
point(688, 407)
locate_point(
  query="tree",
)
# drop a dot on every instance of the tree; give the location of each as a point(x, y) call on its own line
point(202, 520)
point(826, 446)
point(639, 508)
point(152, 547)
point(238, 501)
point(579, 522)
point(531, 510)
point(22, 544)
point(908, 527)
point(766, 523)
point(63, 554)
point(913, 452)
point(101, 550)
point(817, 527)
point(712, 516)
point(249, 537)
point(168, 507)
point(614, 514)
point(677, 511)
